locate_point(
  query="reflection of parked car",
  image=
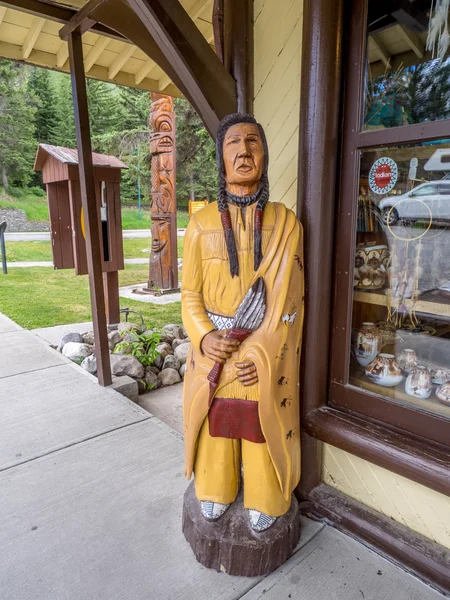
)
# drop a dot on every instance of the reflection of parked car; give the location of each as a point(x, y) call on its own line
point(432, 198)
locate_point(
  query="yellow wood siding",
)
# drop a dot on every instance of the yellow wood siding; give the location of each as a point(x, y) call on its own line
point(413, 505)
point(278, 40)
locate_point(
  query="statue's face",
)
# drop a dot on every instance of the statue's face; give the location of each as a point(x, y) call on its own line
point(243, 154)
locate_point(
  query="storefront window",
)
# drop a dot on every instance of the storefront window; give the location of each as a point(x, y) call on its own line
point(406, 83)
point(401, 308)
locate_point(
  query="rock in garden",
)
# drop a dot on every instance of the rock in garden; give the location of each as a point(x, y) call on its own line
point(167, 339)
point(130, 337)
point(120, 348)
point(142, 388)
point(114, 338)
point(125, 327)
point(70, 337)
point(177, 343)
point(76, 351)
point(185, 334)
point(124, 364)
point(90, 364)
point(169, 377)
point(151, 379)
point(88, 337)
point(171, 362)
point(164, 349)
point(182, 370)
point(148, 332)
point(182, 352)
point(159, 361)
point(154, 368)
point(174, 330)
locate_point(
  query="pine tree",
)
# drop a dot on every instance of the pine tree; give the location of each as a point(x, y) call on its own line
point(39, 85)
point(17, 129)
point(65, 124)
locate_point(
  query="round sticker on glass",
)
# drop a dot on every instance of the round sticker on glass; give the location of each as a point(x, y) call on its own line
point(383, 175)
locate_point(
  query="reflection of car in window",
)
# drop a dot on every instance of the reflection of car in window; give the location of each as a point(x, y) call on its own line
point(427, 200)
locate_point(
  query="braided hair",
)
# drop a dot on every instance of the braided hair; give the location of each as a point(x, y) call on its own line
point(222, 198)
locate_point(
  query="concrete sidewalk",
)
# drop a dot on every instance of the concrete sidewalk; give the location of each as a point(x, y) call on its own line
point(49, 263)
point(91, 498)
point(44, 236)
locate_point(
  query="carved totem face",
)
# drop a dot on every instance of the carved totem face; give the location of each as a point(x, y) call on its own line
point(161, 121)
point(243, 154)
point(160, 234)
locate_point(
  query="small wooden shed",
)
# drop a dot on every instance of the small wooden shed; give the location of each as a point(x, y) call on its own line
point(60, 174)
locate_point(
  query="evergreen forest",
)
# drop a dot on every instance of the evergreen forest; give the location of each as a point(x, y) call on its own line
point(36, 107)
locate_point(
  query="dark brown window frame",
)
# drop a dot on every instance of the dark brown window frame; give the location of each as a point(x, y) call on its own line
point(342, 395)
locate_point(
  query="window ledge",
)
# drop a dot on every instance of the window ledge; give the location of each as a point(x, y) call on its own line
point(421, 461)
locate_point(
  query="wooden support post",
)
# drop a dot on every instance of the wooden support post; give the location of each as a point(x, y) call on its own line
point(88, 200)
point(112, 300)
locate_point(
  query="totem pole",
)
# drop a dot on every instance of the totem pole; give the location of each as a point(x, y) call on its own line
point(163, 274)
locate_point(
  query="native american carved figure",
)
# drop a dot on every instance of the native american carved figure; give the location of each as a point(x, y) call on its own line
point(163, 257)
point(242, 304)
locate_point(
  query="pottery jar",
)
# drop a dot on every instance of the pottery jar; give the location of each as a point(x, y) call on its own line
point(385, 371)
point(443, 393)
point(418, 383)
point(367, 343)
point(407, 359)
point(440, 375)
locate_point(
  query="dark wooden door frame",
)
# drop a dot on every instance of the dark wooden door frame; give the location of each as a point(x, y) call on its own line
point(318, 163)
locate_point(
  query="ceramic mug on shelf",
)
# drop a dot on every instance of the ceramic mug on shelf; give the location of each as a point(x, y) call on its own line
point(440, 375)
point(368, 343)
point(371, 264)
point(407, 359)
point(385, 371)
point(418, 383)
point(443, 393)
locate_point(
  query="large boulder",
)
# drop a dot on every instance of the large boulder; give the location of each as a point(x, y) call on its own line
point(181, 352)
point(166, 338)
point(164, 349)
point(171, 362)
point(130, 337)
point(159, 361)
point(77, 351)
point(90, 364)
point(88, 337)
point(169, 377)
point(174, 330)
point(113, 338)
point(124, 364)
point(70, 337)
point(154, 368)
point(178, 342)
point(126, 327)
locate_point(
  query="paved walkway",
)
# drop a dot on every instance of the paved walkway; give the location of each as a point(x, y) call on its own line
point(31, 236)
point(49, 263)
point(91, 498)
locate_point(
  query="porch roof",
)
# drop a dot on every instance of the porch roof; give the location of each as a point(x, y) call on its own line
point(33, 39)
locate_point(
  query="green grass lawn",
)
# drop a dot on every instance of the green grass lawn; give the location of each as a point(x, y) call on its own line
point(36, 209)
point(42, 297)
point(37, 251)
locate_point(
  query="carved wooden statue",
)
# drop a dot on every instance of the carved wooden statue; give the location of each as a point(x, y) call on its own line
point(163, 257)
point(242, 303)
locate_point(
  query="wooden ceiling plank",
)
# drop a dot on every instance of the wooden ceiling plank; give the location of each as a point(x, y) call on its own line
point(144, 71)
point(413, 41)
point(196, 10)
point(163, 83)
point(32, 36)
point(62, 55)
point(2, 13)
point(120, 61)
point(95, 52)
point(381, 50)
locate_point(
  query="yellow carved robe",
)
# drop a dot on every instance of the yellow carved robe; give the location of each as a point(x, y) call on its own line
point(274, 347)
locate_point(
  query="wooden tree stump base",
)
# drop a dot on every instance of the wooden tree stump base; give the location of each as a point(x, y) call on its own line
point(230, 545)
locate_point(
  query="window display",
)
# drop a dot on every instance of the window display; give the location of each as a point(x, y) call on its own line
point(401, 308)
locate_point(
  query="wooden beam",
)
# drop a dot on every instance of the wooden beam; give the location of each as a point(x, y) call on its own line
point(121, 59)
point(95, 52)
point(163, 83)
point(144, 71)
point(189, 60)
point(2, 13)
point(32, 36)
point(62, 55)
point(88, 200)
point(381, 50)
point(413, 41)
point(196, 9)
point(54, 12)
point(82, 21)
point(112, 298)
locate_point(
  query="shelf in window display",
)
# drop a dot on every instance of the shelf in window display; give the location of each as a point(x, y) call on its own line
point(428, 303)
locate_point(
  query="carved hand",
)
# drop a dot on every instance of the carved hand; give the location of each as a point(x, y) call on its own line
point(216, 347)
point(246, 372)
